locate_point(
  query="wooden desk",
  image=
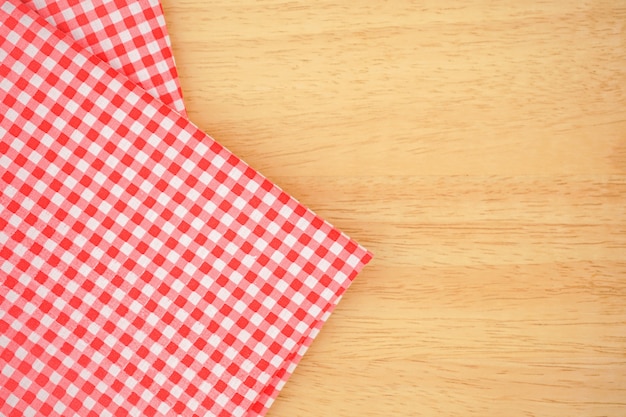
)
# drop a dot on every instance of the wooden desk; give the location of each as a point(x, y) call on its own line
point(479, 150)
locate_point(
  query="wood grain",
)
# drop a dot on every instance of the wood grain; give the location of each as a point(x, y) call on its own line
point(478, 148)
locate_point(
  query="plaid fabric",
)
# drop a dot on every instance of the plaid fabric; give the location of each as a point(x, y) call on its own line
point(128, 28)
point(129, 35)
point(145, 269)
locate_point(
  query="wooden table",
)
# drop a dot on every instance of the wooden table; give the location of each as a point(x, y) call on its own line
point(479, 150)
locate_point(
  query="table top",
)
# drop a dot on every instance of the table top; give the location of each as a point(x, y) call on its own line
point(479, 150)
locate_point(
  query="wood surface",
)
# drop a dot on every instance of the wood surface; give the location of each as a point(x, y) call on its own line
point(478, 148)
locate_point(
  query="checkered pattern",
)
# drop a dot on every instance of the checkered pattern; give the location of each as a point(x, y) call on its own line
point(76, 22)
point(145, 269)
point(129, 35)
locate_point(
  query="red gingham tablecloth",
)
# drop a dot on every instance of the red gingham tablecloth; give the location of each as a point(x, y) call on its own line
point(145, 270)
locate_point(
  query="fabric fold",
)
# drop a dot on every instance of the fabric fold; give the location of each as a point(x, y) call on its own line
point(129, 35)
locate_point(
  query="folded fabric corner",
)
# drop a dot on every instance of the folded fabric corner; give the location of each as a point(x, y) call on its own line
point(129, 35)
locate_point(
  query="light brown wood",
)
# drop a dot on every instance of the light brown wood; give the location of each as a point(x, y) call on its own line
point(478, 148)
